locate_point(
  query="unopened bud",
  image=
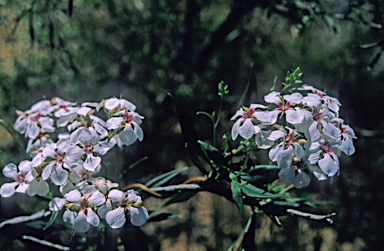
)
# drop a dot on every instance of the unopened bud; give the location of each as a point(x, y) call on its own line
point(73, 207)
point(302, 141)
point(138, 203)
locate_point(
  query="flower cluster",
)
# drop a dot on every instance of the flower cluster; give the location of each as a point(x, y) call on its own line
point(304, 133)
point(72, 161)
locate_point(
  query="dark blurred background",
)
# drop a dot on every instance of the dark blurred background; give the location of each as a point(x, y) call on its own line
point(89, 50)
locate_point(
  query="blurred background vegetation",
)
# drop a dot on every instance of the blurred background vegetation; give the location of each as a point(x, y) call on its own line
point(87, 50)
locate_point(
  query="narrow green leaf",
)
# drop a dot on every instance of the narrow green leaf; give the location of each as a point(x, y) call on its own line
point(164, 178)
point(160, 216)
point(54, 215)
point(208, 147)
point(138, 162)
point(240, 238)
point(237, 196)
point(255, 192)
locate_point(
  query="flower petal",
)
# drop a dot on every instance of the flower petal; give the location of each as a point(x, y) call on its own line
point(138, 216)
point(80, 222)
point(116, 218)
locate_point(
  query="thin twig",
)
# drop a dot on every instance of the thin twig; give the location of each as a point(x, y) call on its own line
point(327, 217)
point(21, 219)
point(45, 243)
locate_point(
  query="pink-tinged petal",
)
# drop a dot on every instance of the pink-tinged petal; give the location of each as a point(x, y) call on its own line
point(235, 129)
point(128, 105)
point(347, 145)
point(299, 151)
point(80, 222)
point(25, 166)
point(127, 136)
point(294, 116)
point(73, 155)
point(257, 106)
point(273, 153)
point(264, 117)
point(278, 134)
point(112, 103)
point(37, 160)
point(247, 129)
point(330, 131)
point(116, 218)
point(47, 171)
point(284, 158)
point(102, 148)
point(132, 196)
point(315, 169)
point(62, 145)
point(314, 132)
point(8, 189)
point(65, 119)
point(138, 216)
point(238, 113)
point(57, 204)
point(273, 97)
point(116, 195)
point(33, 131)
point(262, 140)
point(21, 124)
point(49, 151)
point(83, 111)
point(101, 130)
point(59, 176)
point(329, 164)
point(22, 188)
point(10, 171)
point(91, 163)
point(301, 179)
point(286, 175)
point(314, 157)
point(294, 98)
point(40, 188)
point(104, 209)
point(114, 123)
point(73, 196)
point(92, 218)
point(138, 132)
point(75, 177)
point(68, 216)
point(97, 198)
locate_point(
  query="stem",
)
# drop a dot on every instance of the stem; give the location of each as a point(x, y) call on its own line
point(243, 167)
point(217, 122)
point(287, 188)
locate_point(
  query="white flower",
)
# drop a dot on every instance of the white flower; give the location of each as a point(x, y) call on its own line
point(293, 116)
point(21, 178)
point(55, 168)
point(287, 149)
point(244, 125)
point(128, 205)
point(131, 131)
point(115, 104)
point(85, 215)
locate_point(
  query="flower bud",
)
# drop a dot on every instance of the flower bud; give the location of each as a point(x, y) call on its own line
point(138, 203)
point(302, 141)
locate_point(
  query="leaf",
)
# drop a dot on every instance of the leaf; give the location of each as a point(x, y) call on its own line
point(210, 116)
point(255, 192)
point(241, 101)
point(208, 147)
point(52, 219)
point(138, 162)
point(180, 197)
point(164, 178)
point(237, 196)
point(160, 216)
point(236, 244)
point(261, 167)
